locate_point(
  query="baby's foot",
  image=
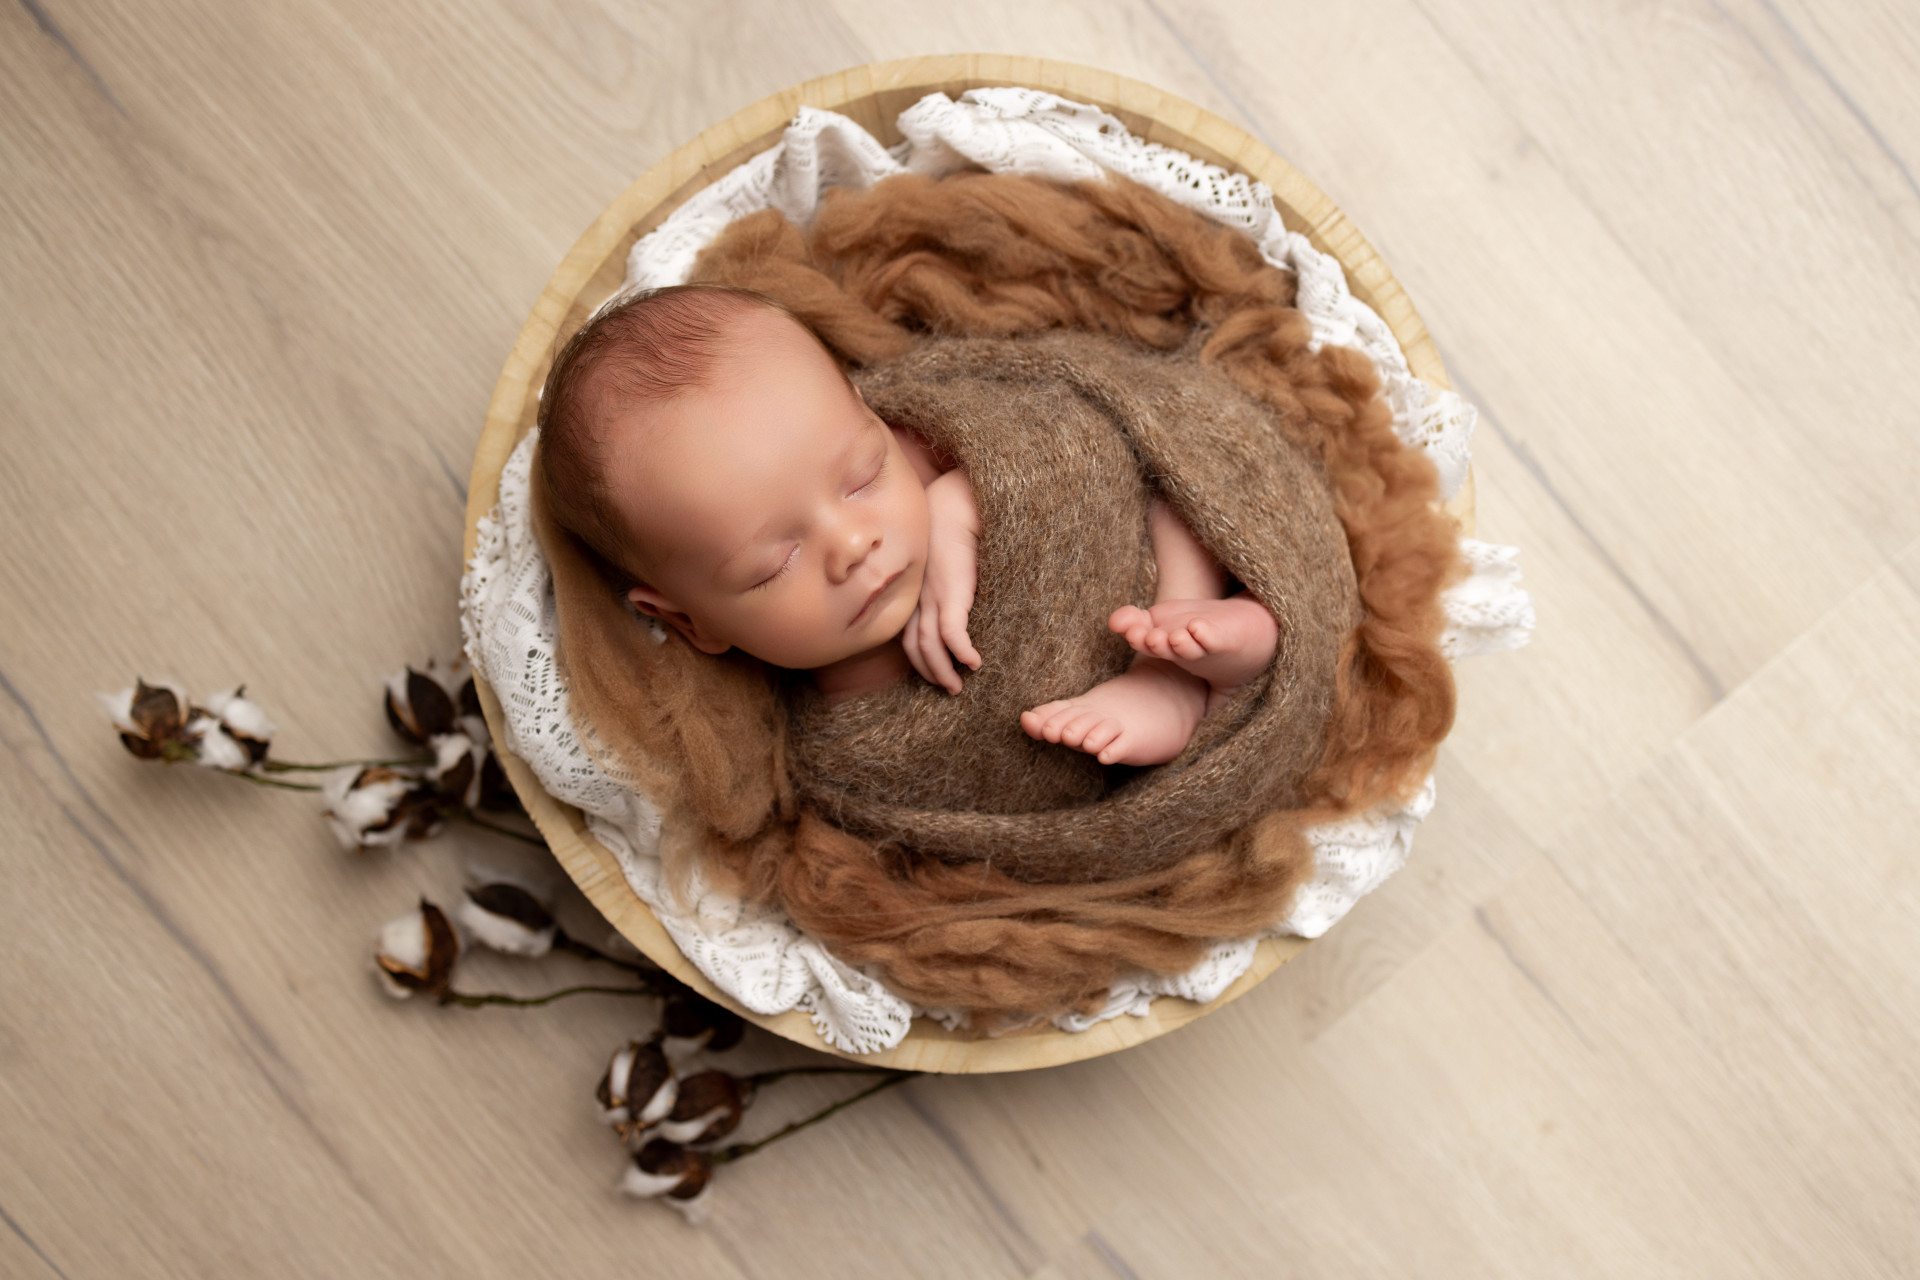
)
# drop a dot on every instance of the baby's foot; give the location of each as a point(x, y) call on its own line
point(1224, 642)
point(1142, 717)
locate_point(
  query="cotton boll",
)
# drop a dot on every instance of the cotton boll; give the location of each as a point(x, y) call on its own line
point(677, 1175)
point(639, 1088)
point(416, 952)
point(244, 721)
point(119, 709)
point(152, 719)
point(457, 761)
point(638, 1183)
point(214, 747)
point(360, 808)
point(378, 807)
point(709, 1107)
point(400, 945)
point(508, 918)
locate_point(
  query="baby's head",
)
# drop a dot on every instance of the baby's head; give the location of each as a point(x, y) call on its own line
point(705, 444)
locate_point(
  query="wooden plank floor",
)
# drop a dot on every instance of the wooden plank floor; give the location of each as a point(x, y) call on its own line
point(1644, 1004)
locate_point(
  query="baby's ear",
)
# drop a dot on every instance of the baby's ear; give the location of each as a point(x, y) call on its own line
point(655, 605)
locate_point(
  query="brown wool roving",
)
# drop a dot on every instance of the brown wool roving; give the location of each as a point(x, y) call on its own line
point(995, 873)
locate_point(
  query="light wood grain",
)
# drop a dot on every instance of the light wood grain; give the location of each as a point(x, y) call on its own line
point(1641, 1004)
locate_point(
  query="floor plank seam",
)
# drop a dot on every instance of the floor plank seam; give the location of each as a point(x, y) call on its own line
point(257, 1041)
point(1716, 691)
point(1247, 118)
point(32, 1244)
point(52, 31)
point(1846, 100)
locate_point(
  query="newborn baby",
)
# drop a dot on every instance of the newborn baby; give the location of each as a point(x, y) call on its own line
point(704, 442)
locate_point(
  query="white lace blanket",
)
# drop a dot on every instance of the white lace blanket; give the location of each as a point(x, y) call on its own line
point(507, 609)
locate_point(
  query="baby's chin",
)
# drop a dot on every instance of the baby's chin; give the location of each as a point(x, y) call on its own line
point(892, 617)
point(881, 629)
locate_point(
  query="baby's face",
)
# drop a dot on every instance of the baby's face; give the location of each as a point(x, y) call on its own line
point(778, 513)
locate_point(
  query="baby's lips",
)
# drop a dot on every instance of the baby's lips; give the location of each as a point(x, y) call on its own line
point(873, 599)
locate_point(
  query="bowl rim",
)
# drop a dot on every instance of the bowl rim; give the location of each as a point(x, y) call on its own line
point(594, 268)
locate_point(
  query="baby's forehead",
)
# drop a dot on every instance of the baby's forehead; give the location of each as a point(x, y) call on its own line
point(714, 462)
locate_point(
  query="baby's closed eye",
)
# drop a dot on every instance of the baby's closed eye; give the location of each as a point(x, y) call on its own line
point(871, 474)
point(785, 565)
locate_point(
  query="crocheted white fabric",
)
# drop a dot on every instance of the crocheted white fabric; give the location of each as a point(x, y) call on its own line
point(510, 627)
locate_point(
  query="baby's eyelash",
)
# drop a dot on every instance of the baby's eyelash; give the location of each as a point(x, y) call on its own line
point(879, 471)
point(779, 573)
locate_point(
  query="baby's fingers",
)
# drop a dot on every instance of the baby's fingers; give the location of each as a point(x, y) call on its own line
point(939, 667)
point(954, 601)
point(910, 642)
point(954, 634)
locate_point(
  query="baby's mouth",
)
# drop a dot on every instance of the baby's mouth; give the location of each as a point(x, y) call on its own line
point(874, 599)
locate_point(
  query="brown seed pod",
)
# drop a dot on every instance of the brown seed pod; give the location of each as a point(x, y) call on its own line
point(680, 1173)
point(709, 1108)
point(639, 1088)
point(420, 706)
point(690, 1022)
point(508, 918)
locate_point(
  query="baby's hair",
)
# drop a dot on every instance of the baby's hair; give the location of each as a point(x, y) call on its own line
point(646, 348)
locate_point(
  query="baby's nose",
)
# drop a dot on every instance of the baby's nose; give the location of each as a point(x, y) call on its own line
point(855, 544)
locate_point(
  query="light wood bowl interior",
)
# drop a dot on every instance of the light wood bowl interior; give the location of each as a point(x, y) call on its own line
point(874, 96)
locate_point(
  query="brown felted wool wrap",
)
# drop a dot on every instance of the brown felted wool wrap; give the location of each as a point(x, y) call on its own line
point(1055, 433)
point(1001, 256)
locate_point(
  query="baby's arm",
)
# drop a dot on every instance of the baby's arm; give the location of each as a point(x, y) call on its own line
point(937, 631)
point(939, 625)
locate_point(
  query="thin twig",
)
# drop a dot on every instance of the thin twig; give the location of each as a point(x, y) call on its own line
point(463, 814)
point(741, 1150)
point(645, 970)
point(768, 1077)
point(259, 781)
point(473, 1000)
point(294, 766)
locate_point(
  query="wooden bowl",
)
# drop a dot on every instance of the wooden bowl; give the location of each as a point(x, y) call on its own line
point(596, 266)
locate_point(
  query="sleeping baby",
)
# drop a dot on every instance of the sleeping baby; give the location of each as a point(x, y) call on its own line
point(703, 442)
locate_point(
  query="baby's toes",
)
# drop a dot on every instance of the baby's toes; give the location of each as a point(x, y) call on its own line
point(1155, 643)
point(1037, 721)
point(1189, 642)
point(1101, 736)
point(1074, 730)
point(1129, 618)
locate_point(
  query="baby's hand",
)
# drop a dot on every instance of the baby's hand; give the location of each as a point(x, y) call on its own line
point(939, 625)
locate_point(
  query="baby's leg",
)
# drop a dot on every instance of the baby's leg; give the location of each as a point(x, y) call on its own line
point(1224, 640)
point(1194, 646)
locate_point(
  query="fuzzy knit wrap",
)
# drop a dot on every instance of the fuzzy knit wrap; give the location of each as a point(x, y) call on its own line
point(1059, 434)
